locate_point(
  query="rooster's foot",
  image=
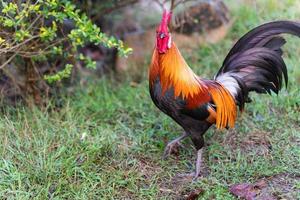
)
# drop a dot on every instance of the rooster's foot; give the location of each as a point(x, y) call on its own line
point(172, 147)
point(194, 175)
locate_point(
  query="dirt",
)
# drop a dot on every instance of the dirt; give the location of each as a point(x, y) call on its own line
point(179, 189)
point(281, 186)
point(257, 142)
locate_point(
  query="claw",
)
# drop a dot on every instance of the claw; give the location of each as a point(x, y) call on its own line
point(172, 147)
point(196, 177)
point(190, 176)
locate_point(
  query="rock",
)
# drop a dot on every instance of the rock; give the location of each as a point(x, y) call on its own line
point(208, 18)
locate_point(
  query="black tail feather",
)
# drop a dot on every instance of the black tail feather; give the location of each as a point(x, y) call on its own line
point(262, 33)
point(255, 60)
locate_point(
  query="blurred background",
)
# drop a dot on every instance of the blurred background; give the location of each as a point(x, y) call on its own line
point(77, 120)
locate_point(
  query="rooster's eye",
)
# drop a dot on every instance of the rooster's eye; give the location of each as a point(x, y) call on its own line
point(162, 35)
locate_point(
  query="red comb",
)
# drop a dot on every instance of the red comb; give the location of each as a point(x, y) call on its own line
point(166, 18)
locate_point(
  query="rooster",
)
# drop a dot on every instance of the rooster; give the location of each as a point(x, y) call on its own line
point(253, 64)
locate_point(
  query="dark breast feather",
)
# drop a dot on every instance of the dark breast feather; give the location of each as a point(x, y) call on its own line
point(200, 113)
point(176, 107)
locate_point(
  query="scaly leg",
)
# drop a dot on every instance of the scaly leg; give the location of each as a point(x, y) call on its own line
point(198, 164)
point(173, 144)
point(195, 175)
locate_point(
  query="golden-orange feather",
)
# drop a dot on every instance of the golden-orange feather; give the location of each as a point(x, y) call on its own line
point(225, 103)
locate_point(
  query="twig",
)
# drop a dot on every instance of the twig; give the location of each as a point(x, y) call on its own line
point(171, 10)
point(5, 50)
point(161, 4)
point(8, 60)
point(180, 2)
point(35, 20)
point(172, 5)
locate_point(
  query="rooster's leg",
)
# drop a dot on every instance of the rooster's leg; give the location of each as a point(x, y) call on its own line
point(198, 163)
point(198, 141)
point(173, 144)
point(195, 175)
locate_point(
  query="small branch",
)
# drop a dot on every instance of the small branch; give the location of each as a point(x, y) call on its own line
point(172, 5)
point(13, 48)
point(43, 50)
point(171, 27)
point(180, 2)
point(161, 4)
point(8, 60)
point(35, 20)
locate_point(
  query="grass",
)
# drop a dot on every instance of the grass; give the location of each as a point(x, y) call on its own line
point(107, 140)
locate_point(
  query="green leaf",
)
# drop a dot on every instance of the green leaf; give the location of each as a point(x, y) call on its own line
point(65, 73)
point(8, 23)
point(48, 33)
point(20, 35)
point(10, 8)
point(1, 40)
point(89, 63)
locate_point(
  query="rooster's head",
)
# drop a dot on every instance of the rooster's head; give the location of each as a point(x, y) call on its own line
point(163, 36)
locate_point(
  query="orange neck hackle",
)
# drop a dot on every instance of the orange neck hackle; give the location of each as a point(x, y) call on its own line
point(174, 72)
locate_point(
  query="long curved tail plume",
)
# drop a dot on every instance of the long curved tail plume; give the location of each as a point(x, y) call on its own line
point(255, 63)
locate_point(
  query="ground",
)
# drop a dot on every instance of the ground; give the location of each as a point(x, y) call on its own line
point(107, 139)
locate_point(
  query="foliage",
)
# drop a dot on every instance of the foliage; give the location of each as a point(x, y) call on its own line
point(38, 38)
